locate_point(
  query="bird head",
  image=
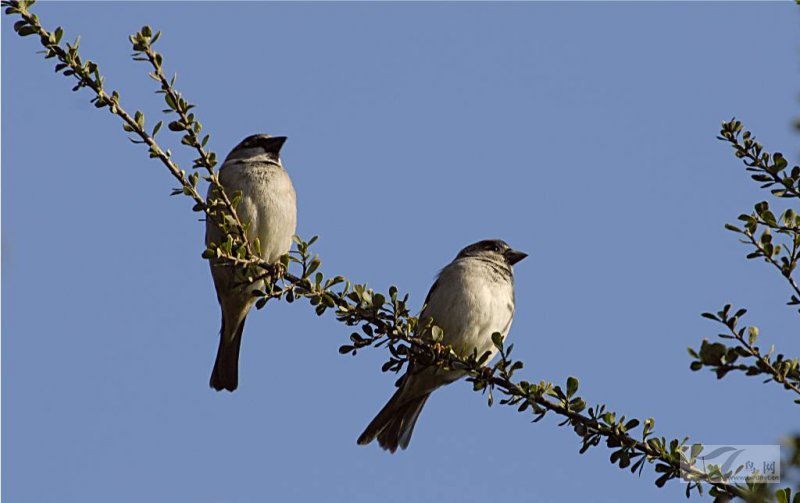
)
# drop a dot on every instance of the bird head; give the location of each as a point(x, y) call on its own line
point(495, 249)
point(258, 147)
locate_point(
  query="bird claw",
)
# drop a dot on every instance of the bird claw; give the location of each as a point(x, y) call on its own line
point(439, 349)
point(277, 271)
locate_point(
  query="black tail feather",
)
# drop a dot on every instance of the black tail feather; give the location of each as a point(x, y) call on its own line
point(226, 367)
point(395, 423)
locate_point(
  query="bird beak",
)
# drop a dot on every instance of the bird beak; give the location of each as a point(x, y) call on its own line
point(514, 256)
point(273, 143)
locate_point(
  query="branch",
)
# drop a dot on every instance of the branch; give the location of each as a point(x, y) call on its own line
point(784, 257)
point(769, 170)
point(721, 358)
point(142, 42)
point(386, 321)
point(87, 75)
point(221, 210)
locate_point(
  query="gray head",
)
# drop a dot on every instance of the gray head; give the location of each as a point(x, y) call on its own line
point(258, 147)
point(493, 249)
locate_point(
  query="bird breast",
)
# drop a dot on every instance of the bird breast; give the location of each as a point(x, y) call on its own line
point(268, 203)
point(472, 302)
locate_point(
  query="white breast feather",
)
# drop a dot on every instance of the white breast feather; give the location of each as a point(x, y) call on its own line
point(268, 203)
point(470, 307)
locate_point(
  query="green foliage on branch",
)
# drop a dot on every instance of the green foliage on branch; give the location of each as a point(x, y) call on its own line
point(775, 240)
point(754, 361)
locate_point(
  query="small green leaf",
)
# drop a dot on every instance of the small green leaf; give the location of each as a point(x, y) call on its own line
point(26, 30)
point(752, 334)
point(313, 266)
point(711, 353)
point(649, 424)
point(170, 101)
point(497, 340)
point(236, 198)
point(572, 386)
point(779, 160)
point(139, 118)
point(662, 480)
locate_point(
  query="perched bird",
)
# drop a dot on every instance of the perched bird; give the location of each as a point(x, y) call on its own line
point(472, 298)
point(268, 205)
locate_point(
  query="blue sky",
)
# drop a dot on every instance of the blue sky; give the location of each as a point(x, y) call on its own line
point(580, 133)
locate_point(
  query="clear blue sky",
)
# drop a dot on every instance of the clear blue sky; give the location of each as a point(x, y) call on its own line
point(580, 133)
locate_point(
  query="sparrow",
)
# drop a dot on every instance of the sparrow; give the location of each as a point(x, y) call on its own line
point(471, 299)
point(268, 204)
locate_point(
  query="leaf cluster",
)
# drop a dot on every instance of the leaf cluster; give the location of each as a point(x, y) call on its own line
point(776, 240)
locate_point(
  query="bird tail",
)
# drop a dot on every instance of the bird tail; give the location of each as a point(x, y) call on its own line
point(226, 367)
point(394, 424)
